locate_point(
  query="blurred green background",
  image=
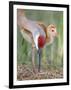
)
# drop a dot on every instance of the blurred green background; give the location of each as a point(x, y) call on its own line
point(52, 55)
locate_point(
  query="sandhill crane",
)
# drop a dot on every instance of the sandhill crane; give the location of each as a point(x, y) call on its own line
point(36, 33)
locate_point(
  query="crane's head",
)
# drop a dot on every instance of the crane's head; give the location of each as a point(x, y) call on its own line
point(41, 41)
point(51, 31)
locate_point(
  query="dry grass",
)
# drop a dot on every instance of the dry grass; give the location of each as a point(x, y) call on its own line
point(26, 73)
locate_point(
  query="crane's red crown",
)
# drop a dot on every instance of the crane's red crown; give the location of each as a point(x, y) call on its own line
point(41, 41)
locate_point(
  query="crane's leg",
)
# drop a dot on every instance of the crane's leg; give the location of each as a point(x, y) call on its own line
point(39, 59)
point(33, 58)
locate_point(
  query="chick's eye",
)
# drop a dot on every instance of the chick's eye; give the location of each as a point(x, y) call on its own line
point(52, 30)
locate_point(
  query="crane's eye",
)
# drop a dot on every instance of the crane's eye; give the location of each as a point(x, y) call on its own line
point(52, 30)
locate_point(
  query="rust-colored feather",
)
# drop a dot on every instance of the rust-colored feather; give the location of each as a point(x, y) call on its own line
point(45, 30)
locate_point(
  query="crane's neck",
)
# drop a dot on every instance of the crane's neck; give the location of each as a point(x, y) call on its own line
point(49, 39)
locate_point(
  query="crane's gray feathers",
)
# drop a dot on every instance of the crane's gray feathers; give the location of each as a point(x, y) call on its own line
point(32, 27)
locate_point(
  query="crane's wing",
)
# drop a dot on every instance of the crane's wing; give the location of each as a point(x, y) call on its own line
point(27, 35)
point(31, 26)
point(41, 24)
